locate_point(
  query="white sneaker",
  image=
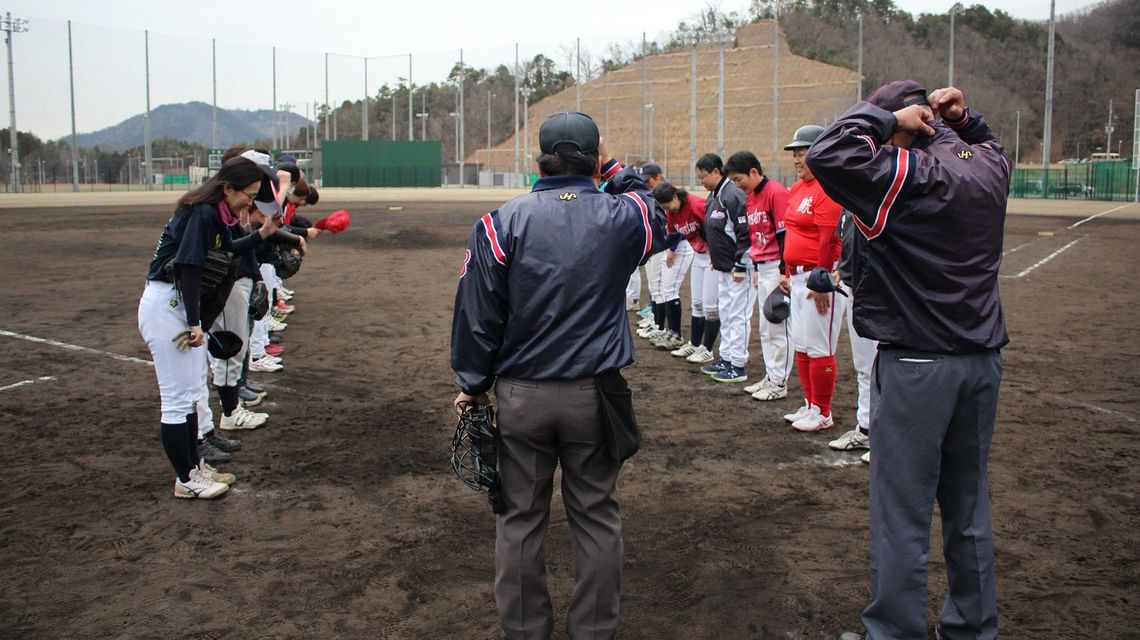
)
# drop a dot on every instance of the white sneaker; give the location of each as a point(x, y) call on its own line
point(753, 388)
point(701, 356)
point(771, 391)
point(684, 352)
point(648, 332)
point(853, 439)
point(800, 413)
point(866, 458)
point(277, 325)
point(645, 322)
point(242, 418)
point(671, 340)
point(813, 422)
point(198, 486)
point(287, 292)
point(271, 359)
point(265, 366)
point(208, 471)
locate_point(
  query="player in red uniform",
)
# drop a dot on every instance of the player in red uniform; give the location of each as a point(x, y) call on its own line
point(810, 242)
point(685, 218)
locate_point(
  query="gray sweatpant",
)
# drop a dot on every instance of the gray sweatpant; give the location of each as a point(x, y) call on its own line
point(542, 424)
point(932, 419)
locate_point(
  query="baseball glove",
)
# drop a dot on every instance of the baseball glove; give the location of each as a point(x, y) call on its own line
point(259, 300)
point(288, 262)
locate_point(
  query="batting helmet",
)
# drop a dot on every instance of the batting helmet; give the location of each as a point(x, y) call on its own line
point(804, 136)
point(223, 345)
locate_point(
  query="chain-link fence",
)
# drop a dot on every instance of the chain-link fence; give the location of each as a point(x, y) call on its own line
point(151, 106)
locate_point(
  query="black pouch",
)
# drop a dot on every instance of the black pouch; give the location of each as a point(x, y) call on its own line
point(623, 436)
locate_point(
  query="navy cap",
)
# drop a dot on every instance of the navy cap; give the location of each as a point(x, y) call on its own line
point(777, 306)
point(819, 280)
point(892, 96)
point(223, 345)
point(651, 169)
point(570, 127)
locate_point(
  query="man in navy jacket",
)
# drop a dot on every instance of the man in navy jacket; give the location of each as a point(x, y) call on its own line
point(539, 312)
point(929, 201)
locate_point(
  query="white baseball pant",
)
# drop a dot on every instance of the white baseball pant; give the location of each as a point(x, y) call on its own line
point(703, 287)
point(161, 317)
point(235, 318)
point(812, 333)
point(735, 303)
point(671, 278)
point(863, 357)
point(773, 336)
point(653, 276)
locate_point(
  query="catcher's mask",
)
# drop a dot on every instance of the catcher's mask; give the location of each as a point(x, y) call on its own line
point(223, 345)
point(474, 452)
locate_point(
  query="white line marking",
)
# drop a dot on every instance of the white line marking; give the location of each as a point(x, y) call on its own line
point(26, 382)
point(1018, 247)
point(74, 347)
point(1091, 407)
point(836, 460)
point(1047, 258)
point(1094, 217)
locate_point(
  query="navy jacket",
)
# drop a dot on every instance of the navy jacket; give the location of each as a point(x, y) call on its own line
point(541, 292)
point(726, 227)
point(931, 221)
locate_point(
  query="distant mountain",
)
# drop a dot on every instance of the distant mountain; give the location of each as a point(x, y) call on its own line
point(192, 122)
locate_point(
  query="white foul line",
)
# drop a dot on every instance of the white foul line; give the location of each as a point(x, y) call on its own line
point(74, 347)
point(1094, 217)
point(1018, 247)
point(1046, 258)
point(26, 382)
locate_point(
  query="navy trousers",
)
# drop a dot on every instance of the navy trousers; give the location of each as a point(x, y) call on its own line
point(932, 420)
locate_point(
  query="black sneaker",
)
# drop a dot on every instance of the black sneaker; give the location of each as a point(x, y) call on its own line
point(228, 445)
point(274, 337)
point(212, 454)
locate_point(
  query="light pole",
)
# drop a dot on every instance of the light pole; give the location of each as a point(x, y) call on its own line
point(649, 152)
point(455, 115)
point(525, 92)
point(11, 26)
point(950, 73)
point(423, 114)
point(490, 159)
point(1017, 141)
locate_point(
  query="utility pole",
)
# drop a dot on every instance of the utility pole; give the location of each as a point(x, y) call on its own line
point(516, 107)
point(411, 131)
point(286, 111)
point(214, 122)
point(364, 104)
point(1049, 92)
point(11, 26)
point(148, 157)
point(423, 115)
point(1108, 128)
point(74, 139)
point(859, 67)
point(328, 108)
point(950, 73)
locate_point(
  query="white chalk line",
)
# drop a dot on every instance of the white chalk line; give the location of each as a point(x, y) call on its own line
point(74, 347)
point(1102, 213)
point(22, 383)
point(1091, 407)
point(821, 460)
point(1018, 247)
point(1046, 259)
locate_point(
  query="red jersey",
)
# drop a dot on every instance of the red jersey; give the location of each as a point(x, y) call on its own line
point(290, 210)
point(765, 207)
point(688, 221)
point(811, 218)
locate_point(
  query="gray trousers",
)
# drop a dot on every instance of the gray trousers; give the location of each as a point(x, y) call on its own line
point(542, 424)
point(932, 419)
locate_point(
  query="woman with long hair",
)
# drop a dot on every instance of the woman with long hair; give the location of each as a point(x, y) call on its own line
point(171, 313)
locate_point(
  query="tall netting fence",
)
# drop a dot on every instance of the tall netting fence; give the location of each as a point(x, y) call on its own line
point(655, 98)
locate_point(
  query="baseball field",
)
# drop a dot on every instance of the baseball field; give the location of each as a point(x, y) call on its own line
point(347, 522)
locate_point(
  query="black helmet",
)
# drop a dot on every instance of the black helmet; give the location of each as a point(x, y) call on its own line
point(223, 345)
point(804, 136)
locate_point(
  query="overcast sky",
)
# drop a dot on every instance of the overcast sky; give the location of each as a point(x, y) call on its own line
point(110, 65)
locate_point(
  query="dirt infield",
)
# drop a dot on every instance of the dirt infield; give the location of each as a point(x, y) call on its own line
point(346, 521)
